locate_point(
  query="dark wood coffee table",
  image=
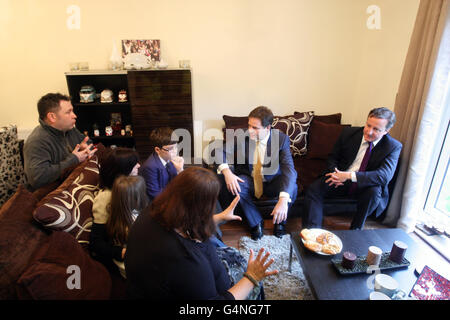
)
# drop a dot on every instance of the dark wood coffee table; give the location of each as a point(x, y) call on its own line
point(327, 283)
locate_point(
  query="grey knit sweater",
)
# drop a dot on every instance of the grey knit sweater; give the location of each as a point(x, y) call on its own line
point(47, 152)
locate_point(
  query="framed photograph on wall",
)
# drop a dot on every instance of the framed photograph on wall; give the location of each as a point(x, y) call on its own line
point(149, 48)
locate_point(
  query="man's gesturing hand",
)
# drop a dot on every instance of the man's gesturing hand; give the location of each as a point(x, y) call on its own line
point(83, 154)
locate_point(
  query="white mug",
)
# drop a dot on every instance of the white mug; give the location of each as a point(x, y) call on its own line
point(375, 295)
point(389, 286)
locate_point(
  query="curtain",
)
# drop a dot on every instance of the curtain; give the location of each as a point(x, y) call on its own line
point(419, 107)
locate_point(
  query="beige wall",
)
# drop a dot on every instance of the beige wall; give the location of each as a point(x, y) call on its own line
point(286, 54)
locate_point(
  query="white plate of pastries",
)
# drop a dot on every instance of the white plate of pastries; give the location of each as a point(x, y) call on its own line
point(321, 241)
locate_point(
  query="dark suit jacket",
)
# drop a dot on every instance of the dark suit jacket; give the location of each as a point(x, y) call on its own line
point(277, 160)
point(382, 163)
point(156, 175)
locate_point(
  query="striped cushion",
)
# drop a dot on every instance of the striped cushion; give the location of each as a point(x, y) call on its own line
point(69, 208)
point(296, 128)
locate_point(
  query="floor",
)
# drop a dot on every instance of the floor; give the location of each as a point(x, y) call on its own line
point(233, 231)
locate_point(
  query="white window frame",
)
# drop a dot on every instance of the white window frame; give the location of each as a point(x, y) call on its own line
point(438, 166)
point(442, 169)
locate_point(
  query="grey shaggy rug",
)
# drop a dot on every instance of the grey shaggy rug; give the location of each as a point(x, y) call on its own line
point(285, 285)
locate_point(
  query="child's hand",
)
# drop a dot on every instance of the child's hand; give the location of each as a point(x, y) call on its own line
point(178, 163)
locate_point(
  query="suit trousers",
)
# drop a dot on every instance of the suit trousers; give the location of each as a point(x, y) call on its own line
point(247, 204)
point(367, 202)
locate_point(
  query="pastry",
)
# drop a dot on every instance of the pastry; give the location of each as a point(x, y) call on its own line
point(314, 246)
point(324, 237)
point(307, 235)
point(325, 242)
point(331, 249)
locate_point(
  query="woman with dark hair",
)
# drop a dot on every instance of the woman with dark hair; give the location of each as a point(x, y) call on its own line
point(169, 254)
point(120, 161)
point(128, 198)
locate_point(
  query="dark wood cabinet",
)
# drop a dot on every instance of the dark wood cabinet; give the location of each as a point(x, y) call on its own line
point(160, 98)
point(156, 98)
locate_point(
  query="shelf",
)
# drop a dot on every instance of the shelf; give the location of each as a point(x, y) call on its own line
point(100, 104)
point(95, 72)
point(118, 72)
point(112, 137)
point(156, 98)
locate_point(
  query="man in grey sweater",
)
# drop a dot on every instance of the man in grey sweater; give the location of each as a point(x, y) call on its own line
point(55, 144)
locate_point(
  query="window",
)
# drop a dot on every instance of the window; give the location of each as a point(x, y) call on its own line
point(437, 205)
point(435, 220)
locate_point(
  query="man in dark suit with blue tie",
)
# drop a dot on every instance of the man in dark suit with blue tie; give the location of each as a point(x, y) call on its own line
point(362, 163)
point(163, 164)
point(263, 166)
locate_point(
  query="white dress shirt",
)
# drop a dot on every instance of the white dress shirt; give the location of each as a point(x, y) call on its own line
point(164, 162)
point(262, 152)
point(354, 167)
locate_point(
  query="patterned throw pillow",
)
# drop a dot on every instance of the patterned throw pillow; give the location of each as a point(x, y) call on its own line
point(69, 209)
point(11, 169)
point(296, 128)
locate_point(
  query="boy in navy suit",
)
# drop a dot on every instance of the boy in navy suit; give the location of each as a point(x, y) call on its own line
point(163, 164)
point(361, 165)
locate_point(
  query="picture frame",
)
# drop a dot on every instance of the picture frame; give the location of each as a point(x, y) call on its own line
point(149, 48)
point(116, 117)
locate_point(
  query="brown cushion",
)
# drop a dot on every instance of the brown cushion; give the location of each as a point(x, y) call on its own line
point(49, 274)
point(20, 237)
point(69, 208)
point(321, 139)
point(235, 122)
point(296, 128)
point(308, 170)
point(330, 118)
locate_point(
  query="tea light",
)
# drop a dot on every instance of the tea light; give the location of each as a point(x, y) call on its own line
point(348, 260)
point(398, 251)
point(374, 256)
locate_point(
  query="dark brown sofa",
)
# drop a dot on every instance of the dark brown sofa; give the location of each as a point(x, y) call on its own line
point(321, 134)
point(44, 237)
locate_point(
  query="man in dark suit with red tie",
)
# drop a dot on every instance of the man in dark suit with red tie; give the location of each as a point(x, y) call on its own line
point(163, 164)
point(362, 163)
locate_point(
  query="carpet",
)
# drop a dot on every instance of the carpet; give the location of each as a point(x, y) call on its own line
point(285, 285)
